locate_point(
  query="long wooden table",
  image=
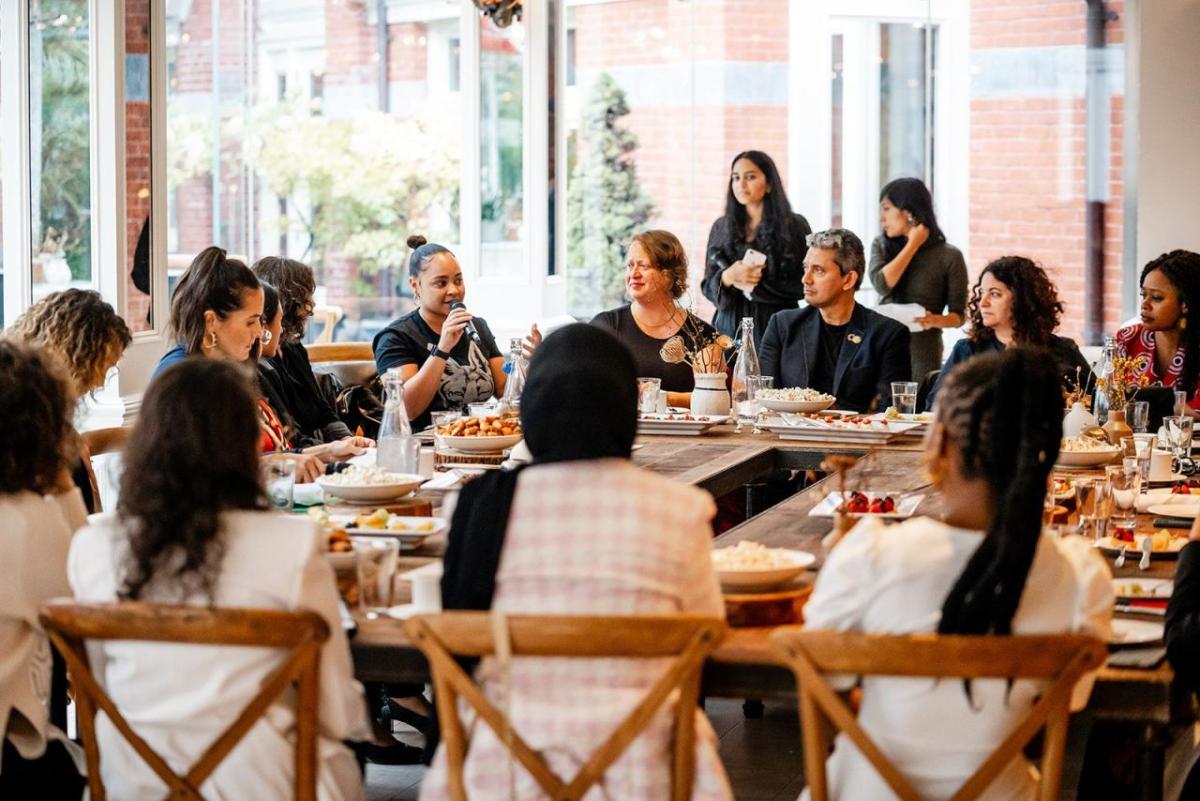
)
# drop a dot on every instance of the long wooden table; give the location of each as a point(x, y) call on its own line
point(743, 666)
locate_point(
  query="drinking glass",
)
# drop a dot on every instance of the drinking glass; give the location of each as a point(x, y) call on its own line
point(648, 389)
point(904, 396)
point(398, 454)
point(1181, 404)
point(1093, 500)
point(1125, 480)
point(1143, 445)
point(375, 560)
point(1138, 416)
point(1179, 435)
point(279, 480)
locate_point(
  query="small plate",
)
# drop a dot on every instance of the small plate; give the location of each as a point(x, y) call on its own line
point(1143, 589)
point(797, 406)
point(1112, 547)
point(1128, 633)
point(1175, 509)
point(905, 507)
point(743, 580)
point(481, 444)
point(413, 528)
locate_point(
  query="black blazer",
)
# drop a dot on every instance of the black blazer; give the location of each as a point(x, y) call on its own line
point(874, 355)
point(1183, 618)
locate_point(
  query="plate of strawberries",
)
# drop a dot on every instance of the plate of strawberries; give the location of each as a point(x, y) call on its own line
point(893, 505)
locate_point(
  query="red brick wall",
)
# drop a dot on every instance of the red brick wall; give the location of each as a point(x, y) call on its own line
point(1019, 149)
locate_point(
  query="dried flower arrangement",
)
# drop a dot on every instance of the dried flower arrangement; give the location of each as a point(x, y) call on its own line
point(1079, 391)
point(705, 352)
point(1128, 376)
point(502, 12)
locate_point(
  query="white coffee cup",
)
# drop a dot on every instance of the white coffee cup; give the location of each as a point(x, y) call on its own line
point(1160, 465)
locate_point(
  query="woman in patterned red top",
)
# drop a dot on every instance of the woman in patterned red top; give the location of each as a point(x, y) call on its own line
point(1169, 331)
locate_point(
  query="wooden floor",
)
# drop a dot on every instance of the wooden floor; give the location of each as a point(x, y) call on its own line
point(762, 757)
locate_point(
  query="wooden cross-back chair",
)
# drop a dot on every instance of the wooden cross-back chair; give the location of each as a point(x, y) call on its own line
point(1061, 659)
point(71, 625)
point(474, 634)
point(319, 352)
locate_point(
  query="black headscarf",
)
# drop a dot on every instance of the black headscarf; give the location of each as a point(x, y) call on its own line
point(579, 403)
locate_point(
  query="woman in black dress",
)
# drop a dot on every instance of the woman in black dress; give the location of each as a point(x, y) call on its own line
point(757, 216)
point(655, 279)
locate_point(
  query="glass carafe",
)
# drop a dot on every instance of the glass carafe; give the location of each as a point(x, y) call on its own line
point(745, 370)
point(397, 449)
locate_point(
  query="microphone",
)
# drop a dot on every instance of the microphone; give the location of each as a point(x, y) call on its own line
point(470, 329)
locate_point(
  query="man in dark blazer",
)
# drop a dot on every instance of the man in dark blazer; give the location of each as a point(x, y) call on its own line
point(833, 344)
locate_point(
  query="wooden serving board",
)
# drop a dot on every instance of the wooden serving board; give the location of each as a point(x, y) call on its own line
point(746, 610)
point(411, 506)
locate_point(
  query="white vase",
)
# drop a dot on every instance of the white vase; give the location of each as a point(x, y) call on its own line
point(710, 397)
point(1078, 419)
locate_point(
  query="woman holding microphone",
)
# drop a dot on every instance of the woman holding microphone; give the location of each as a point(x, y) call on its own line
point(447, 357)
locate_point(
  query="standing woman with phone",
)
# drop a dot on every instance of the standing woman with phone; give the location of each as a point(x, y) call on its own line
point(911, 262)
point(754, 263)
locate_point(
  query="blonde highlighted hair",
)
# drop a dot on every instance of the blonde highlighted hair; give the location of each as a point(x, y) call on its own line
point(666, 254)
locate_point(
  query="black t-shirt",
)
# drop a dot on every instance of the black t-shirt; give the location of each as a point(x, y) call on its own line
point(468, 374)
point(829, 347)
point(645, 348)
point(307, 404)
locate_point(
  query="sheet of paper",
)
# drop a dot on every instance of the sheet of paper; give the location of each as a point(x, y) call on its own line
point(903, 313)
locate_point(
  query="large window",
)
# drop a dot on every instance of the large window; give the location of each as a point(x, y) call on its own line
point(501, 150)
point(60, 145)
point(319, 132)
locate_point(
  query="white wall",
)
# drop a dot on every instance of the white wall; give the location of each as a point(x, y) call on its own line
point(1164, 71)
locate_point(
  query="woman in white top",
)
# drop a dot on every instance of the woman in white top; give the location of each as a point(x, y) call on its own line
point(191, 527)
point(985, 568)
point(39, 509)
point(580, 531)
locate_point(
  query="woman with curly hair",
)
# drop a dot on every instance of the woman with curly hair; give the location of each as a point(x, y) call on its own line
point(1015, 303)
point(39, 511)
point(1168, 334)
point(192, 527)
point(292, 374)
point(87, 337)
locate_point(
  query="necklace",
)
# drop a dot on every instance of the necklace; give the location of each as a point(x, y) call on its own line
point(669, 322)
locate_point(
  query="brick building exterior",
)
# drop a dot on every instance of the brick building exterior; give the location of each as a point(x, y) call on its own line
point(708, 80)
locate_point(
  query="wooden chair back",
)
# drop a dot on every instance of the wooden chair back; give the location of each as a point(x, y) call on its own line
point(340, 352)
point(473, 634)
point(1061, 659)
point(328, 317)
point(70, 625)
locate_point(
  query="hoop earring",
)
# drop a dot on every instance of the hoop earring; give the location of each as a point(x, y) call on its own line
point(1182, 323)
point(210, 344)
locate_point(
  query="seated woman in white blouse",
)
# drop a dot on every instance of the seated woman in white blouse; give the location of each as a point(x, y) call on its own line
point(191, 527)
point(984, 568)
point(39, 509)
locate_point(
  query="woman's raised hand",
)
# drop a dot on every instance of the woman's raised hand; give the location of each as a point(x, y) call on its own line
point(531, 342)
point(918, 234)
point(743, 276)
point(453, 328)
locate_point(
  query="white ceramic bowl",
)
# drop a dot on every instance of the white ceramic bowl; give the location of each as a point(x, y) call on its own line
point(403, 485)
point(752, 580)
point(1087, 458)
point(797, 406)
point(481, 444)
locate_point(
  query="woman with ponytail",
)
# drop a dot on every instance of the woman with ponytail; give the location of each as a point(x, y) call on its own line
point(1168, 333)
point(983, 568)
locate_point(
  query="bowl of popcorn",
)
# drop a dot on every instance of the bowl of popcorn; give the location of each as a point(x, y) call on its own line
point(794, 399)
point(1086, 452)
point(367, 483)
point(751, 566)
point(481, 434)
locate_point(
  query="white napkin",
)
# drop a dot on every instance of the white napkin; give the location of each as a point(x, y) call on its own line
point(308, 494)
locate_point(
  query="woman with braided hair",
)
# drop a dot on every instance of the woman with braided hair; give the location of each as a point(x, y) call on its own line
point(1168, 333)
point(983, 568)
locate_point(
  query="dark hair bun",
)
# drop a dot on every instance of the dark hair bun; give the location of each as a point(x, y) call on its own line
point(415, 241)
